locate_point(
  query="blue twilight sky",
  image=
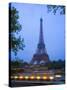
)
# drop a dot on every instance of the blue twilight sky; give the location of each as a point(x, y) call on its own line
point(53, 30)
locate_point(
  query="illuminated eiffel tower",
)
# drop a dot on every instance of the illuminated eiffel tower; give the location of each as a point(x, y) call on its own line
point(41, 55)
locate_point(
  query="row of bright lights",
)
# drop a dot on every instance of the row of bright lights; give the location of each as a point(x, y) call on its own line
point(33, 77)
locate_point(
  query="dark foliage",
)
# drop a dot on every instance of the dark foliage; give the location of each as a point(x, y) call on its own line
point(16, 41)
point(55, 8)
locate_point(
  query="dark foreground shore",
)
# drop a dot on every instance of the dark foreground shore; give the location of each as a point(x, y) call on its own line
point(22, 83)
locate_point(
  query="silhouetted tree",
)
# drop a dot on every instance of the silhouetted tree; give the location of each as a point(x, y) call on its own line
point(14, 28)
point(55, 8)
point(18, 63)
point(59, 64)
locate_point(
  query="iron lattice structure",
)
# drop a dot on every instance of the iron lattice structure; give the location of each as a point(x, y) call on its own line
point(41, 55)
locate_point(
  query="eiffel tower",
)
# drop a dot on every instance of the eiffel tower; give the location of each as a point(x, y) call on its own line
point(41, 55)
